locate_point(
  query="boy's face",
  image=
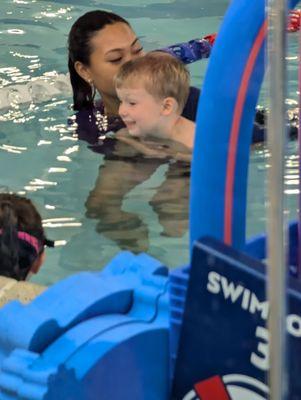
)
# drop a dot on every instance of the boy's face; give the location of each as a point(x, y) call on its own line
point(139, 110)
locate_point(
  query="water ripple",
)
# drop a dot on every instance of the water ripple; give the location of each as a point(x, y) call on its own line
point(26, 22)
point(177, 9)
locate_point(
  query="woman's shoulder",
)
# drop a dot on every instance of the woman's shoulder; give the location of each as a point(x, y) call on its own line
point(191, 105)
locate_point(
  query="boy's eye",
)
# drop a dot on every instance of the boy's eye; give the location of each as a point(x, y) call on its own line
point(132, 103)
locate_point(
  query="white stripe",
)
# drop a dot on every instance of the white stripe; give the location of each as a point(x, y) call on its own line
point(190, 396)
point(232, 378)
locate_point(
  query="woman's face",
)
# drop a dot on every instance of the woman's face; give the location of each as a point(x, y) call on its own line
point(111, 47)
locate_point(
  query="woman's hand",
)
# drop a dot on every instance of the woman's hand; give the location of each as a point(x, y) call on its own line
point(153, 149)
point(183, 157)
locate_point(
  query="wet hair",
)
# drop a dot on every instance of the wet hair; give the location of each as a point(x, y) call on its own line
point(161, 74)
point(21, 235)
point(80, 49)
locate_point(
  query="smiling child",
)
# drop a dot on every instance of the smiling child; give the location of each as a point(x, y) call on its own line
point(153, 90)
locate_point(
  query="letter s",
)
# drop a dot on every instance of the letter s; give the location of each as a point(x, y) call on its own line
point(213, 284)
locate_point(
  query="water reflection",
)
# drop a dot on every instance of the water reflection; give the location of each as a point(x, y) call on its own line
point(117, 178)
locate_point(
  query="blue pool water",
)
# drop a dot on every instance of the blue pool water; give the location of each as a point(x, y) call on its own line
point(42, 158)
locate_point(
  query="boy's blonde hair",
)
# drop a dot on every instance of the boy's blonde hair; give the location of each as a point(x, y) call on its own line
point(162, 75)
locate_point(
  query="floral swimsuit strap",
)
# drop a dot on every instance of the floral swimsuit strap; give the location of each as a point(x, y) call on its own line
point(194, 50)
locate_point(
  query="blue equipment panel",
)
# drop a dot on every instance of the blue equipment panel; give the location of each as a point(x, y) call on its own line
point(223, 349)
point(91, 336)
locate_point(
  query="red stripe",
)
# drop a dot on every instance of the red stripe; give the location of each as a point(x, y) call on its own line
point(212, 389)
point(234, 135)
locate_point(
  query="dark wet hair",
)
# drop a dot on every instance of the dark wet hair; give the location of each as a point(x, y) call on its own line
point(18, 214)
point(79, 48)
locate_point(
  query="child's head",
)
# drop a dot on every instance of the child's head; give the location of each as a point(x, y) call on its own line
point(22, 237)
point(151, 88)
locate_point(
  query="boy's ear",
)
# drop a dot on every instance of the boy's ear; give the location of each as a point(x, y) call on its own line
point(169, 105)
point(82, 71)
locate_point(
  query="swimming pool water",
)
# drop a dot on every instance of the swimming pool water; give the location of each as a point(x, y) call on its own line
point(42, 158)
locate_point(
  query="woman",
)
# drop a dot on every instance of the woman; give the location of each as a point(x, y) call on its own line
point(99, 43)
